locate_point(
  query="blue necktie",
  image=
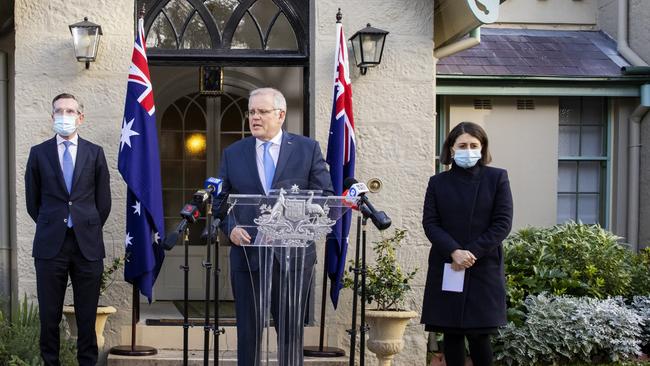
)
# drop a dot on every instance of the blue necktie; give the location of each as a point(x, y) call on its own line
point(269, 165)
point(68, 170)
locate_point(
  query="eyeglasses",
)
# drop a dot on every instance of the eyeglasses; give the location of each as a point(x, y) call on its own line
point(259, 112)
point(66, 111)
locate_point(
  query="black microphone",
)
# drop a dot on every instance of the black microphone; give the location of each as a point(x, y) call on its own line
point(356, 189)
point(172, 238)
point(190, 213)
point(219, 212)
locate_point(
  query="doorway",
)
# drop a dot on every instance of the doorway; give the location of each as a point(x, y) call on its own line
point(194, 129)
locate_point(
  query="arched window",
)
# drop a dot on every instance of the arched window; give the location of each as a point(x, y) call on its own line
point(227, 28)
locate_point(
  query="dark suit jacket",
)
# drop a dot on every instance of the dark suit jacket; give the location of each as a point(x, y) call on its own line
point(300, 162)
point(467, 209)
point(49, 203)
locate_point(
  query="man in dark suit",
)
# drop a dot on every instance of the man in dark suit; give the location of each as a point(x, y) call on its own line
point(270, 159)
point(68, 196)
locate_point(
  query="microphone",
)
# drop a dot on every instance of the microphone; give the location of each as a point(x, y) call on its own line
point(213, 185)
point(172, 238)
point(199, 197)
point(356, 189)
point(190, 213)
point(219, 212)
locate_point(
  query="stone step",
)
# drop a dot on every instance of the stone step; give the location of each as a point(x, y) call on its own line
point(174, 357)
point(171, 337)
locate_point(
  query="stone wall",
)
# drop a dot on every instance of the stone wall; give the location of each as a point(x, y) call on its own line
point(45, 67)
point(394, 115)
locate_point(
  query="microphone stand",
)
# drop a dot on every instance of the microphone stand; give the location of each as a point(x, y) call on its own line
point(363, 326)
point(353, 331)
point(359, 268)
point(207, 264)
point(217, 331)
point(186, 268)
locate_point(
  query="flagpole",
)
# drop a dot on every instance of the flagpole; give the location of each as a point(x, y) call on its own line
point(133, 349)
point(321, 350)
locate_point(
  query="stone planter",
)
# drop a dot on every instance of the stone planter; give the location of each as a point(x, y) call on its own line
point(102, 315)
point(386, 333)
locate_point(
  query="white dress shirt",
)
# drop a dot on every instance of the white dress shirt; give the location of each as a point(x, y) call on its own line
point(275, 153)
point(72, 149)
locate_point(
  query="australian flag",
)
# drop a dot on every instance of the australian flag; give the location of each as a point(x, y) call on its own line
point(340, 157)
point(139, 165)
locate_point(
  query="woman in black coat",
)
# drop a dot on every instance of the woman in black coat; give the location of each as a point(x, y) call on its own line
point(467, 214)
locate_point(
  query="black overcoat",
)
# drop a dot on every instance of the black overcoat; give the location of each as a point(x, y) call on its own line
point(467, 209)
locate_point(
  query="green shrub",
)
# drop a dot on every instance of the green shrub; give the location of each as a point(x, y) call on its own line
point(561, 330)
point(19, 339)
point(571, 259)
point(386, 283)
point(641, 273)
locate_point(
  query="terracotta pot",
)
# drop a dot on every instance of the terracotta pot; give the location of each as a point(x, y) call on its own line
point(386, 333)
point(102, 315)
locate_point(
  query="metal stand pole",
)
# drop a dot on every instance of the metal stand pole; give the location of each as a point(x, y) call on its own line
point(207, 264)
point(355, 269)
point(363, 326)
point(215, 328)
point(186, 269)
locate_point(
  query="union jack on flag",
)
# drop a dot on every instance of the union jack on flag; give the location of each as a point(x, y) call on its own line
point(139, 165)
point(340, 157)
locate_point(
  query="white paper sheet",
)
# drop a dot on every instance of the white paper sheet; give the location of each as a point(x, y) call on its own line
point(452, 280)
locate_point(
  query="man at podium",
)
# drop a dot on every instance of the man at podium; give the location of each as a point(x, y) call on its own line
point(270, 159)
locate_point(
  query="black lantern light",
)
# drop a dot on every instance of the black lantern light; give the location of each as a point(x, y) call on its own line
point(368, 47)
point(85, 36)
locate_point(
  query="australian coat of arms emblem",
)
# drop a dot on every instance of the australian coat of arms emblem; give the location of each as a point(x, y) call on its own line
point(295, 221)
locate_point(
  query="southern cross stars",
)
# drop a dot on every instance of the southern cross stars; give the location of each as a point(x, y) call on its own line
point(136, 207)
point(127, 241)
point(127, 132)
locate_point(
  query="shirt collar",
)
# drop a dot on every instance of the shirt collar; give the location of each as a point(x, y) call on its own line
point(74, 140)
point(277, 140)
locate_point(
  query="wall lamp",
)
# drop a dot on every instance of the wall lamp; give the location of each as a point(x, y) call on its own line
point(368, 47)
point(85, 36)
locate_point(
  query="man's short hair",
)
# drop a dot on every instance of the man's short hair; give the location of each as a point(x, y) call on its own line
point(68, 96)
point(278, 99)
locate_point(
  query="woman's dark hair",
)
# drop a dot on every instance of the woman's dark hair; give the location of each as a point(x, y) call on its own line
point(472, 129)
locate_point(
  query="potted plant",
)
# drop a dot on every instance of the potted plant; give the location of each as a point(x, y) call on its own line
point(103, 311)
point(386, 287)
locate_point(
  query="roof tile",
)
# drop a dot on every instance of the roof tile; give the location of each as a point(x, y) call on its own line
point(536, 52)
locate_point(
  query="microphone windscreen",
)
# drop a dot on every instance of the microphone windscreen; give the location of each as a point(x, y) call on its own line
point(170, 240)
point(348, 182)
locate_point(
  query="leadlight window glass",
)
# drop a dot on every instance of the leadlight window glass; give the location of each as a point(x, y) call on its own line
point(181, 25)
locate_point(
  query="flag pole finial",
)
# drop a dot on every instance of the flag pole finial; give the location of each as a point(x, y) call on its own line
point(142, 11)
point(339, 16)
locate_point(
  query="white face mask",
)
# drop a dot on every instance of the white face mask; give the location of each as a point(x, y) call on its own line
point(467, 158)
point(65, 125)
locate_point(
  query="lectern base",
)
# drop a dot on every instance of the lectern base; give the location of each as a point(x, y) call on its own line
point(315, 351)
point(133, 351)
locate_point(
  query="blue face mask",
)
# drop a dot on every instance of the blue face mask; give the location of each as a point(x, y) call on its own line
point(65, 125)
point(467, 158)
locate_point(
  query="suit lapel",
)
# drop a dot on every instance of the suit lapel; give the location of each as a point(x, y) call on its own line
point(250, 157)
point(53, 157)
point(286, 148)
point(80, 161)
